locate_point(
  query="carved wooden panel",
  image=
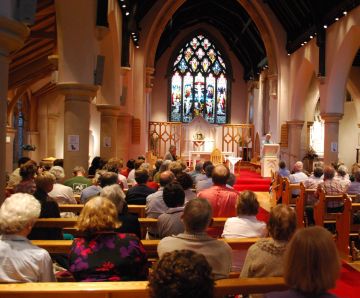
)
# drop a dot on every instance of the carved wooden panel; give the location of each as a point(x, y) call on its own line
point(136, 131)
point(284, 136)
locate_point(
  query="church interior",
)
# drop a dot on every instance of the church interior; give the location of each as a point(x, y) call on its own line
point(126, 78)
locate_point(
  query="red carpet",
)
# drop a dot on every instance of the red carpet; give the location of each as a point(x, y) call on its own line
point(348, 285)
point(250, 180)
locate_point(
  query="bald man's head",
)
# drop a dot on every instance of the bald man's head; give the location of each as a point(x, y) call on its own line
point(166, 178)
point(220, 175)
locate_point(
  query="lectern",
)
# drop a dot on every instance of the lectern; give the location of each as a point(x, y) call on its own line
point(269, 160)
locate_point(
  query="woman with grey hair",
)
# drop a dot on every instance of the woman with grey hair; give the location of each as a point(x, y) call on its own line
point(343, 176)
point(129, 222)
point(20, 261)
point(61, 194)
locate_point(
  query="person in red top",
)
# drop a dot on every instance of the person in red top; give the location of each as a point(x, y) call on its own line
point(221, 198)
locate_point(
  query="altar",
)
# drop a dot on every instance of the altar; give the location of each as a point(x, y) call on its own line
point(195, 156)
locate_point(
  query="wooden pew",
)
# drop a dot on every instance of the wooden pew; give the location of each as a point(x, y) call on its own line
point(301, 202)
point(132, 289)
point(76, 208)
point(276, 188)
point(288, 188)
point(70, 222)
point(63, 246)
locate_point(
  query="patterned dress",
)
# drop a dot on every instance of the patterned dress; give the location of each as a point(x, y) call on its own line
point(108, 256)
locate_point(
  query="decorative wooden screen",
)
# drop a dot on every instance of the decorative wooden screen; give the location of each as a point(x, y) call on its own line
point(238, 138)
point(284, 136)
point(162, 135)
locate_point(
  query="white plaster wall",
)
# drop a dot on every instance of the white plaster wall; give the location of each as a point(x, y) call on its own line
point(160, 91)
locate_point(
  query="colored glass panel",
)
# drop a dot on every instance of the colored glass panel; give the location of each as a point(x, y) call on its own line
point(210, 99)
point(188, 98)
point(199, 91)
point(176, 97)
point(221, 97)
point(198, 84)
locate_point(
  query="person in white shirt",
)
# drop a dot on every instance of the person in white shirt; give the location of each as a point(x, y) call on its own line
point(245, 225)
point(20, 261)
point(298, 176)
point(61, 193)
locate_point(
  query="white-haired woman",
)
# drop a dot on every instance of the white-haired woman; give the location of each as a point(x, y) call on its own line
point(20, 261)
point(61, 193)
point(129, 222)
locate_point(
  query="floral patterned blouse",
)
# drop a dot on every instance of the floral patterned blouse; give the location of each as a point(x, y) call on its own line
point(108, 256)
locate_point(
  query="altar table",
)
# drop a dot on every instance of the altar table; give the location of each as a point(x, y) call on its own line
point(199, 155)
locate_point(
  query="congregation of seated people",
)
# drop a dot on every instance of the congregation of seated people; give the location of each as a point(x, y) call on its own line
point(108, 246)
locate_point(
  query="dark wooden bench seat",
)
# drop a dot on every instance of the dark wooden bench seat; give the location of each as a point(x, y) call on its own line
point(131, 289)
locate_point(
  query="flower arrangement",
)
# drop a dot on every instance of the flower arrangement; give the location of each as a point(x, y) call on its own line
point(311, 154)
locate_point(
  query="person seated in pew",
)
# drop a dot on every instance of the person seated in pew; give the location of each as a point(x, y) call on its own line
point(265, 258)
point(354, 187)
point(181, 273)
point(283, 170)
point(343, 176)
point(137, 194)
point(96, 164)
point(197, 171)
point(197, 218)
point(245, 225)
point(129, 222)
point(205, 183)
point(311, 266)
point(129, 167)
point(222, 198)
point(297, 177)
point(20, 261)
point(150, 183)
point(115, 165)
point(202, 176)
point(186, 183)
point(155, 205)
point(79, 182)
point(49, 208)
point(170, 223)
point(27, 173)
point(62, 194)
point(332, 186)
point(14, 177)
point(103, 254)
point(102, 178)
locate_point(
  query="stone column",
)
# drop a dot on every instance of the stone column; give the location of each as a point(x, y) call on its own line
point(10, 137)
point(110, 131)
point(295, 128)
point(124, 134)
point(331, 142)
point(308, 127)
point(12, 36)
point(76, 124)
point(51, 134)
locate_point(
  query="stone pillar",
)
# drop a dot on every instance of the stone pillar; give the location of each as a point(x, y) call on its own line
point(295, 128)
point(51, 135)
point(308, 127)
point(12, 36)
point(76, 124)
point(331, 142)
point(10, 137)
point(110, 131)
point(124, 121)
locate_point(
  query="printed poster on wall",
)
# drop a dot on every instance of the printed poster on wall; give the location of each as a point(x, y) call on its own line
point(73, 142)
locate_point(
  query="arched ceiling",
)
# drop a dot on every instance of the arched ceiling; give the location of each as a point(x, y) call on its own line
point(299, 18)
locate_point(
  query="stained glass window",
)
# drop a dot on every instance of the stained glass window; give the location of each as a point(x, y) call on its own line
point(199, 83)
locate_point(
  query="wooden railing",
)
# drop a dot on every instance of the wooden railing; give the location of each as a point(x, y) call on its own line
point(132, 289)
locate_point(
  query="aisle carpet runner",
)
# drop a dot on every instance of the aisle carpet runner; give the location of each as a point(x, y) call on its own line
point(250, 180)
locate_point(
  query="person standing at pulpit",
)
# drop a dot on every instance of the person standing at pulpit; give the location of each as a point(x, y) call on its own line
point(171, 155)
point(267, 139)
